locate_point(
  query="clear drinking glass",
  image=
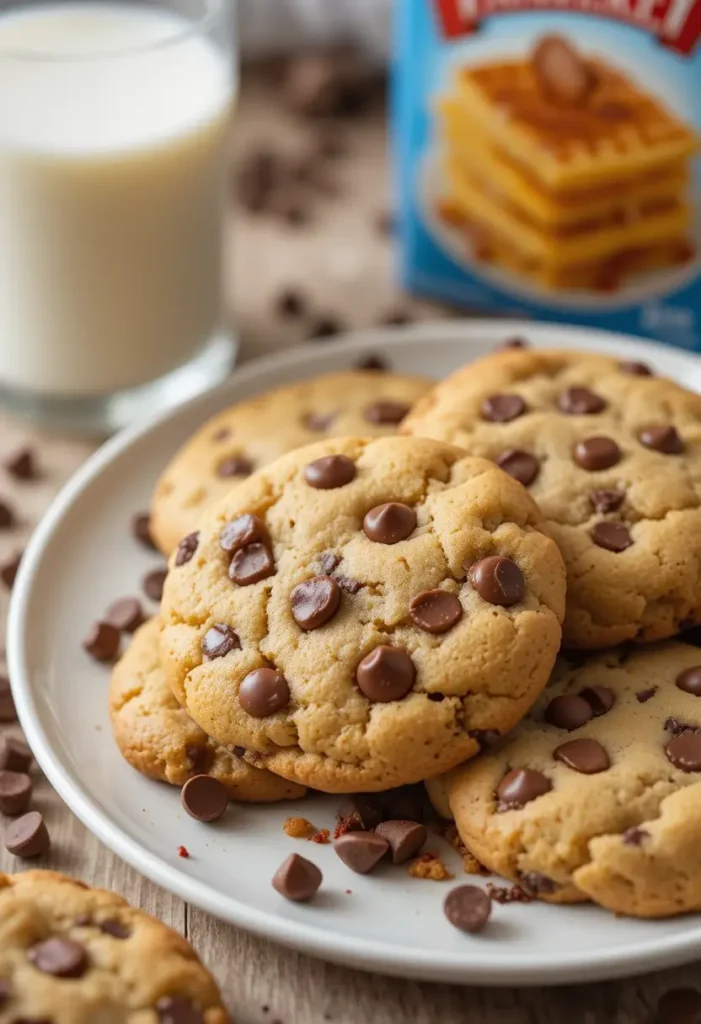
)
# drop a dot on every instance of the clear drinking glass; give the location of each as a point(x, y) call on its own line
point(114, 127)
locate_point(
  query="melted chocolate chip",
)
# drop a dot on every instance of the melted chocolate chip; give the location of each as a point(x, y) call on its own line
point(251, 564)
point(389, 523)
point(599, 698)
point(536, 884)
point(690, 681)
point(611, 536)
point(498, 580)
point(264, 692)
point(116, 929)
point(580, 402)
point(519, 786)
point(519, 464)
point(62, 958)
point(187, 548)
point(684, 751)
point(329, 562)
point(315, 602)
point(676, 727)
point(386, 412)
point(664, 439)
point(178, 1010)
point(241, 532)
point(643, 696)
point(596, 453)
point(386, 674)
point(634, 836)
point(606, 501)
point(219, 641)
point(502, 408)
point(236, 465)
point(330, 472)
point(585, 756)
point(317, 422)
point(568, 712)
point(635, 368)
point(435, 611)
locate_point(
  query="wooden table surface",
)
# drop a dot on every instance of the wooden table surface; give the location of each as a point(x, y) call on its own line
point(342, 263)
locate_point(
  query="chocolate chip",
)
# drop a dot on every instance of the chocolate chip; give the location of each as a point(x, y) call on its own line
point(315, 601)
point(27, 836)
point(297, 878)
point(612, 536)
point(204, 798)
point(15, 792)
point(634, 836)
point(329, 562)
point(606, 501)
point(291, 304)
point(519, 786)
point(260, 172)
point(386, 412)
point(436, 611)
point(329, 472)
point(8, 711)
point(502, 408)
point(468, 908)
point(360, 813)
point(406, 803)
point(663, 439)
point(520, 465)
point(351, 586)
point(199, 757)
point(141, 529)
point(684, 751)
point(373, 362)
point(22, 465)
point(568, 712)
point(596, 453)
point(498, 580)
point(361, 851)
point(241, 532)
point(637, 369)
point(102, 641)
point(485, 737)
point(562, 74)
point(238, 751)
point(643, 696)
point(264, 692)
point(405, 838)
point(219, 641)
point(676, 727)
point(125, 614)
point(517, 343)
point(680, 1006)
point(10, 568)
point(236, 465)
point(319, 421)
point(186, 549)
point(580, 402)
point(536, 884)
point(178, 1010)
point(251, 564)
point(8, 518)
point(15, 755)
point(222, 434)
point(115, 929)
point(585, 756)
point(62, 958)
point(153, 583)
point(325, 327)
point(386, 674)
point(690, 681)
point(389, 523)
point(599, 698)
point(337, 83)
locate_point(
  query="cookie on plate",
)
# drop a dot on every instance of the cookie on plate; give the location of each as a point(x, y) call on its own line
point(70, 954)
point(252, 434)
point(596, 794)
point(158, 738)
point(613, 457)
point(386, 604)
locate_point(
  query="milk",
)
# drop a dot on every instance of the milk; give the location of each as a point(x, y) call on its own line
point(113, 126)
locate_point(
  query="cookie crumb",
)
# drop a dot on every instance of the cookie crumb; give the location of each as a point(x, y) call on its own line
point(321, 837)
point(508, 893)
point(430, 866)
point(298, 828)
point(183, 851)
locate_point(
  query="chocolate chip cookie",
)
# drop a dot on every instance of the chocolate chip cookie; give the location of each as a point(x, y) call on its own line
point(596, 795)
point(74, 955)
point(158, 738)
point(252, 434)
point(612, 455)
point(387, 603)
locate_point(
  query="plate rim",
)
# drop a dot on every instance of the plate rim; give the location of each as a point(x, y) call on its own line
point(469, 967)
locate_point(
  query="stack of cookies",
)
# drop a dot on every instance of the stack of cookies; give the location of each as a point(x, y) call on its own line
point(474, 586)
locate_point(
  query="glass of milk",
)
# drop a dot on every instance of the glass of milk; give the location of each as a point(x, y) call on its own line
point(114, 125)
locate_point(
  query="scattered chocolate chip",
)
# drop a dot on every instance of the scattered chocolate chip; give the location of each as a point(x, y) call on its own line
point(219, 641)
point(204, 798)
point(186, 549)
point(361, 851)
point(291, 304)
point(663, 439)
point(562, 74)
point(10, 568)
point(360, 813)
point(329, 562)
point(536, 884)
point(319, 421)
point(8, 711)
point(236, 465)
point(485, 737)
point(22, 465)
point(103, 641)
point(178, 1010)
point(612, 536)
point(436, 611)
point(680, 1006)
point(315, 602)
point(15, 755)
point(386, 674)
point(606, 501)
point(241, 532)
point(498, 580)
point(8, 519)
point(643, 696)
point(264, 692)
point(519, 786)
point(62, 958)
point(389, 523)
point(386, 412)
point(585, 756)
point(580, 402)
point(512, 343)
point(251, 564)
point(373, 362)
point(141, 530)
point(568, 712)
point(297, 878)
point(28, 836)
point(153, 583)
point(325, 327)
point(599, 698)
point(15, 792)
point(468, 908)
point(405, 838)
point(502, 408)
point(116, 929)
point(125, 614)
point(329, 472)
point(520, 465)
point(596, 453)
point(634, 836)
point(637, 369)
point(690, 681)
point(684, 751)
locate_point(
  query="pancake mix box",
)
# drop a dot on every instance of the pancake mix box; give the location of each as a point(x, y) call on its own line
point(548, 159)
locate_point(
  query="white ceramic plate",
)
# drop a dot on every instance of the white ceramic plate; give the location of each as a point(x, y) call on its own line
point(82, 556)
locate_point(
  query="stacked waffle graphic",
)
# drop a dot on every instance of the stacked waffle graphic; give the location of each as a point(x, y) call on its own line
point(561, 170)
